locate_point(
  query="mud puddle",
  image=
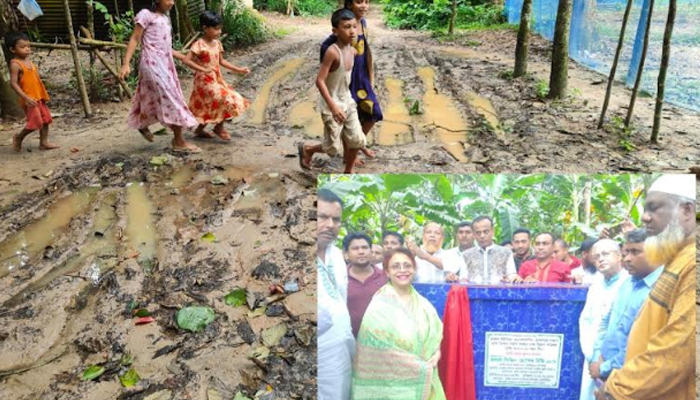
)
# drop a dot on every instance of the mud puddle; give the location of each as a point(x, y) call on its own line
point(258, 109)
point(443, 118)
point(204, 238)
point(25, 245)
point(396, 127)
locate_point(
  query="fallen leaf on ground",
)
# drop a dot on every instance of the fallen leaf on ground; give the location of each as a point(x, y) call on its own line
point(74, 149)
point(130, 378)
point(144, 320)
point(209, 237)
point(195, 319)
point(92, 372)
point(218, 180)
point(236, 298)
point(272, 336)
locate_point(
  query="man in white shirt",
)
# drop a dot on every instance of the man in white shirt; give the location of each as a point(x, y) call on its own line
point(429, 256)
point(336, 344)
point(453, 261)
point(607, 257)
point(487, 262)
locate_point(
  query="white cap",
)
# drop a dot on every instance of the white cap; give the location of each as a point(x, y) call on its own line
point(682, 185)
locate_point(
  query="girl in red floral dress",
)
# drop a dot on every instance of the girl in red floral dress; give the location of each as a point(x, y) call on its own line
point(213, 101)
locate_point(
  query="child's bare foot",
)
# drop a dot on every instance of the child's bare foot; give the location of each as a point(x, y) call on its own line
point(358, 162)
point(16, 143)
point(201, 133)
point(146, 133)
point(48, 146)
point(368, 153)
point(223, 134)
point(185, 147)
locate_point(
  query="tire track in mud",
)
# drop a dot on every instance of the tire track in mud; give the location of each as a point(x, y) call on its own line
point(261, 220)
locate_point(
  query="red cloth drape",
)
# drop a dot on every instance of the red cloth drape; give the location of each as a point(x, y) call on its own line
point(456, 366)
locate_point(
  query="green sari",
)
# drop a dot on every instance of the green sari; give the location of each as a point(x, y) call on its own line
point(394, 343)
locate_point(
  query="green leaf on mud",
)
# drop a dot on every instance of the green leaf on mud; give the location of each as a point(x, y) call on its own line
point(236, 298)
point(161, 132)
point(142, 312)
point(130, 378)
point(92, 372)
point(241, 396)
point(272, 336)
point(119, 165)
point(159, 160)
point(127, 359)
point(257, 312)
point(195, 319)
point(209, 237)
point(218, 180)
point(415, 108)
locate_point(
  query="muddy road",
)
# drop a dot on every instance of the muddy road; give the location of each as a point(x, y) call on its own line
point(109, 224)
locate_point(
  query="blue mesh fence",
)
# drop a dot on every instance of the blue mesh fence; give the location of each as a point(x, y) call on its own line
point(595, 29)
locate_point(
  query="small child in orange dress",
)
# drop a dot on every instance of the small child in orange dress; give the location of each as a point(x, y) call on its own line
point(213, 101)
point(25, 80)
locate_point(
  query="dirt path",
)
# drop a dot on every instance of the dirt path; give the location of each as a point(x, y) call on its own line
point(125, 230)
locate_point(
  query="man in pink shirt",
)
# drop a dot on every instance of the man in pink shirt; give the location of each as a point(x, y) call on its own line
point(544, 268)
point(364, 279)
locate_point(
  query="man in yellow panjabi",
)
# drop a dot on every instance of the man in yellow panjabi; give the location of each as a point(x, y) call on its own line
point(660, 360)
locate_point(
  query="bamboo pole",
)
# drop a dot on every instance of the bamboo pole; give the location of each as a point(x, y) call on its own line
point(76, 61)
point(101, 43)
point(640, 70)
point(665, 57)
point(611, 77)
point(106, 64)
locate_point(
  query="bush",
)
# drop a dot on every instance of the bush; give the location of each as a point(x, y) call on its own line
point(301, 7)
point(435, 15)
point(245, 27)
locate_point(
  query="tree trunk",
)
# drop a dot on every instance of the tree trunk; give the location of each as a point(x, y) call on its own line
point(587, 203)
point(560, 51)
point(8, 98)
point(613, 70)
point(185, 28)
point(76, 61)
point(665, 57)
point(451, 29)
point(640, 70)
point(521, 48)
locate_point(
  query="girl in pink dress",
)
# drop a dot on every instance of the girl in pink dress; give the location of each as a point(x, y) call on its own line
point(213, 101)
point(158, 96)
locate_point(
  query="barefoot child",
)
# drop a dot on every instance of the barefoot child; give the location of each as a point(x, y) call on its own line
point(158, 96)
point(362, 73)
point(338, 109)
point(24, 79)
point(213, 101)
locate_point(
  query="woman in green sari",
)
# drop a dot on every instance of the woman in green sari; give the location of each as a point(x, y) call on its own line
point(398, 345)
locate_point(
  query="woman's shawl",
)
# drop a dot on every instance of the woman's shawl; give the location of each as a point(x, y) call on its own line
point(394, 344)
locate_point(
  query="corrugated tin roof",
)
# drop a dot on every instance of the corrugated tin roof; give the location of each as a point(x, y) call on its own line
point(52, 25)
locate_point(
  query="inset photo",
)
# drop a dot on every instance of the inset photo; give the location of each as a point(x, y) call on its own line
point(547, 287)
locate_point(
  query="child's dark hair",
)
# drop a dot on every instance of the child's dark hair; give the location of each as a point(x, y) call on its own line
point(12, 38)
point(348, 4)
point(209, 19)
point(342, 14)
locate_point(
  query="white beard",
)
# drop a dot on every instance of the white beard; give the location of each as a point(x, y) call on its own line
point(662, 248)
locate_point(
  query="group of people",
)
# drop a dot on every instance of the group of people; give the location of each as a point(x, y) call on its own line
point(158, 96)
point(636, 329)
point(349, 106)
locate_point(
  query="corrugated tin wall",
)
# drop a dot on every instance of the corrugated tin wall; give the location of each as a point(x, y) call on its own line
point(52, 25)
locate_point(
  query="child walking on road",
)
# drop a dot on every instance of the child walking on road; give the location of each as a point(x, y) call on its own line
point(158, 96)
point(25, 80)
point(338, 109)
point(213, 101)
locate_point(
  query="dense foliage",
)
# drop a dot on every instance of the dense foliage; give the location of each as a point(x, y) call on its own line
point(244, 27)
point(554, 203)
point(435, 14)
point(300, 7)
